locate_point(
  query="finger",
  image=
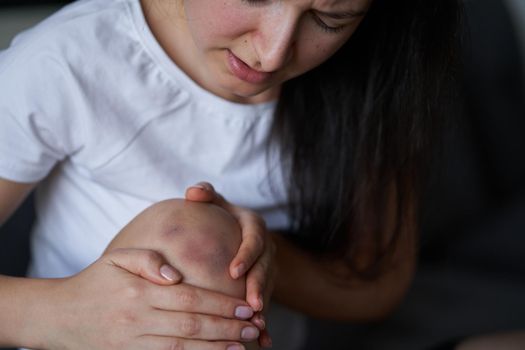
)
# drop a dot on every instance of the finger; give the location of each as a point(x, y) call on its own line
point(252, 246)
point(265, 340)
point(161, 343)
point(205, 192)
point(259, 321)
point(256, 284)
point(202, 327)
point(186, 298)
point(201, 192)
point(147, 264)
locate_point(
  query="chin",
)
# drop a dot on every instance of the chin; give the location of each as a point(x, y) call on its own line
point(255, 94)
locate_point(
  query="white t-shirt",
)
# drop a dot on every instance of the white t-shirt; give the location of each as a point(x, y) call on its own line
point(92, 105)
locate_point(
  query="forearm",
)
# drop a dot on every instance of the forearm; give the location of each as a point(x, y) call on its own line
point(309, 285)
point(26, 311)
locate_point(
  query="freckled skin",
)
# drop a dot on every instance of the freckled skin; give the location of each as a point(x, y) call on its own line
point(278, 37)
point(199, 239)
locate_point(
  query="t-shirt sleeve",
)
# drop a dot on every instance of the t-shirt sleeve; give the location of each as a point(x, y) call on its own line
point(38, 125)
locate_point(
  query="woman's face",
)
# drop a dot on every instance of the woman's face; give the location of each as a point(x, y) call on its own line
point(244, 50)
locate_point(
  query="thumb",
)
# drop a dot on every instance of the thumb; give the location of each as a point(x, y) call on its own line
point(147, 264)
point(200, 192)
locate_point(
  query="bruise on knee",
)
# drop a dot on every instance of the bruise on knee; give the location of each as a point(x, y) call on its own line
point(198, 239)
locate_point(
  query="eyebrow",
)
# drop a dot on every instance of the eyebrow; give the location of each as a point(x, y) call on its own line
point(343, 15)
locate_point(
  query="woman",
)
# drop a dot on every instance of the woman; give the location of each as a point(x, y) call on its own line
point(312, 117)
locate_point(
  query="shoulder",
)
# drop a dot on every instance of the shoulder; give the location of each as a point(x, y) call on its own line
point(60, 56)
point(84, 53)
point(76, 33)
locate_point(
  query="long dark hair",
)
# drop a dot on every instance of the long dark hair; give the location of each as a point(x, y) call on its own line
point(366, 120)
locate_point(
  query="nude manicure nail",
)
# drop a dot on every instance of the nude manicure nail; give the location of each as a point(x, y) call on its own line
point(235, 347)
point(249, 333)
point(243, 312)
point(169, 273)
point(239, 270)
point(260, 322)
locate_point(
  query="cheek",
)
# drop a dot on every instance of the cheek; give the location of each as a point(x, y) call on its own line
point(215, 23)
point(315, 46)
point(313, 53)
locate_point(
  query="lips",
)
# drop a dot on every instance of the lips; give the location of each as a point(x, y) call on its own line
point(244, 72)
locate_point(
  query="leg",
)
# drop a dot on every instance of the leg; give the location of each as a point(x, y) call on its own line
point(198, 239)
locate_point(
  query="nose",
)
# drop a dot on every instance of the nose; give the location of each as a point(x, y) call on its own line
point(275, 40)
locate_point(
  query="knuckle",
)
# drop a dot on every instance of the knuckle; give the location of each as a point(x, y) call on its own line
point(258, 242)
point(190, 326)
point(175, 344)
point(150, 257)
point(187, 298)
point(125, 318)
point(134, 291)
point(257, 278)
point(258, 283)
point(261, 268)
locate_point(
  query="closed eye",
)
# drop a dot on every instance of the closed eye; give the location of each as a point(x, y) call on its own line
point(322, 24)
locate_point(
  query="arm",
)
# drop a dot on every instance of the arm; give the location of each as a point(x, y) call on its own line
point(340, 295)
point(314, 285)
point(12, 194)
point(112, 304)
point(119, 305)
point(18, 297)
point(337, 292)
point(26, 303)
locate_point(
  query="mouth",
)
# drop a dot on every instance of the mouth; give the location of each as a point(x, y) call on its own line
point(244, 72)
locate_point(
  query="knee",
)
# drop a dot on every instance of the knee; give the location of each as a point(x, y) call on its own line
point(199, 239)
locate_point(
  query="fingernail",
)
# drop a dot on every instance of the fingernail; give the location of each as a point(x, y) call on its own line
point(239, 270)
point(200, 187)
point(243, 312)
point(235, 347)
point(169, 273)
point(249, 333)
point(260, 322)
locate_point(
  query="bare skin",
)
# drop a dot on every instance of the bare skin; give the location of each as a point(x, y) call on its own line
point(280, 40)
point(133, 288)
point(198, 239)
point(121, 301)
point(322, 288)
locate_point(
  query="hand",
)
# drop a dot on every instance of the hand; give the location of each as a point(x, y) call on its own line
point(113, 305)
point(255, 256)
